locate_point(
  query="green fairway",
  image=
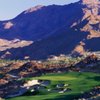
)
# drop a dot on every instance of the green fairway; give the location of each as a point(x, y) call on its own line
point(78, 83)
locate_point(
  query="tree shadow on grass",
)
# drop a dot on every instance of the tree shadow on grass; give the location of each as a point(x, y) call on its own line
point(66, 97)
point(96, 78)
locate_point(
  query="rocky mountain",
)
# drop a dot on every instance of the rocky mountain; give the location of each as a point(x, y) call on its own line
point(54, 30)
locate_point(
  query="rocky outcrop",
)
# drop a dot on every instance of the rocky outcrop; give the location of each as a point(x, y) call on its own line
point(16, 43)
point(90, 64)
point(91, 95)
point(92, 14)
point(33, 9)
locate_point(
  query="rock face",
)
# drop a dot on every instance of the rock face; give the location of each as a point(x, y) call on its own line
point(33, 9)
point(55, 30)
point(90, 64)
point(92, 14)
point(16, 43)
point(8, 25)
point(90, 1)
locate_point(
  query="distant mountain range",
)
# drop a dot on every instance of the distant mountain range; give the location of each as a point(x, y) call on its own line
point(52, 30)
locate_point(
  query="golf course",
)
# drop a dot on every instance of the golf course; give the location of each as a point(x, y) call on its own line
point(75, 84)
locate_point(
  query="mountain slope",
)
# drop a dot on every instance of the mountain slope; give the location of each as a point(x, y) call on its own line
point(55, 30)
point(40, 23)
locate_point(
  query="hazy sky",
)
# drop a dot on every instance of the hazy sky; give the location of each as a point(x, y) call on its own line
point(11, 8)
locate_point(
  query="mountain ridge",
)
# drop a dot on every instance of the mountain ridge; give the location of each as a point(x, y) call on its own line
point(75, 29)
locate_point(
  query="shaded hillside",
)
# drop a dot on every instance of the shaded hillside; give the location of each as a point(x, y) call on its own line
point(37, 24)
point(54, 45)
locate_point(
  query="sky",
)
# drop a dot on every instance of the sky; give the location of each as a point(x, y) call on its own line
point(11, 8)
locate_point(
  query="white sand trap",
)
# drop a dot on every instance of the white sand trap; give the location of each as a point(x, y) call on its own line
point(31, 83)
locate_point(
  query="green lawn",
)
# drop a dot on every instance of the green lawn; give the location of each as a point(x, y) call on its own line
point(79, 82)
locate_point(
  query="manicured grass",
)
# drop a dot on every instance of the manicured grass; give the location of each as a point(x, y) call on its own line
point(78, 82)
